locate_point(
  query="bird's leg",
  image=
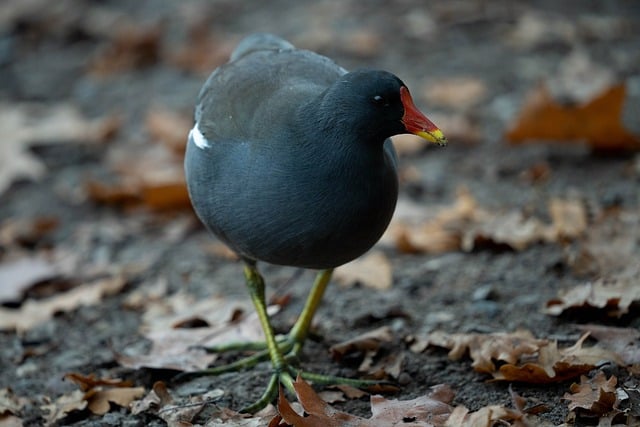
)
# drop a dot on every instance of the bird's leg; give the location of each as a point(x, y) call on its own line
point(300, 330)
point(291, 344)
point(280, 352)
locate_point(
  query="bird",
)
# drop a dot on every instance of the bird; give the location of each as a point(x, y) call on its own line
point(290, 162)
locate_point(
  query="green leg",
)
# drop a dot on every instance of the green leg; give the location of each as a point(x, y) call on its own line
point(300, 330)
point(280, 352)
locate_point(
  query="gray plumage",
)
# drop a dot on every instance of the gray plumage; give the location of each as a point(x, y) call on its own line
point(298, 169)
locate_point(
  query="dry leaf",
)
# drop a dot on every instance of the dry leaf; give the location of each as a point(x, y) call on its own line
point(459, 93)
point(99, 401)
point(426, 411)
point(154, 179)
point(367, 342)
point(203, 51)
point(465, 225)
point(25, 124)
point(18, 275)
point(623, 341)
point(63, 405)
point(484, 348)
point(596, 395)
point(613, 296)
point(180, 348)
point(609, 247)
point(527, 359)
point(10, 403)
point(88, 382)
point(169, 127)
point(372, 270)
point(34, 312)
point(133, 47)
point(597, 122)
point(555, 365)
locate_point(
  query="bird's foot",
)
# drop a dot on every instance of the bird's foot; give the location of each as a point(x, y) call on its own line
point(287, 346)
point(286, 375)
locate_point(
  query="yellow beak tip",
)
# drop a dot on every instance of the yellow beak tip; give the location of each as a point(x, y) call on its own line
point(434, 136)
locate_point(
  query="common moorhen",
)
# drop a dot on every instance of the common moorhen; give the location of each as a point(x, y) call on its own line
point(290, 162)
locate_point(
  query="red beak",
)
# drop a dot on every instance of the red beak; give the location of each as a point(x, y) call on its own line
point(417, 123)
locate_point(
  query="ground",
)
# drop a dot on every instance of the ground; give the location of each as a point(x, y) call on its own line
point(68, 52)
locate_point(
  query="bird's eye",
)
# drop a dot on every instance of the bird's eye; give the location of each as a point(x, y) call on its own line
point(379, 100)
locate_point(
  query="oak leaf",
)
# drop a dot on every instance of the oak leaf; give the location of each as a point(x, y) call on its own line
point(426, 411)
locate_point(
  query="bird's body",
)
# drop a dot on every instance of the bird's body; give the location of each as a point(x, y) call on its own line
point(290, 162)
point(279, 182)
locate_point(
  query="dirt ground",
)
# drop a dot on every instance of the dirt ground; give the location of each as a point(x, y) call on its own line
point(51, 52)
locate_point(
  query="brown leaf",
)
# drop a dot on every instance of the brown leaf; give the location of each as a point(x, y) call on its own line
point(63, 405)
point(170, 128)
point(527, 359)
point(132, 47)
point(613, 296)
point(154, 179)
point(623, 341)
point(598, 121)
point(423, 411)
point(367, 342)
point(18, 275)
point(25, 124)
point(91, 381)
point(458, 93)
point(555, 365)
point(34, 312)
point(372, 270)
point(596, 395)
point(10, 403)
point(465, 225)
point(100, 400)
point(177, 348)
point(203, 51)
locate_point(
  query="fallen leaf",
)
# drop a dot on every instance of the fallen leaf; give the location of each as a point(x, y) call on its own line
point(154, 179)
point(88, 382)
point(609, 247)
point(367, 342)
point(23, 125)
point(10, 404)
point(613, 296)
point(483, 348)
point(596, 395)
point(623, 341)
point(19, 275)
point(34, 312)
point(168, 127)
point(555, 365)
point(526, 358)
point(372, 270)
point(458, 93)
point(63, 405)
point(535, 28)
point(27, 232)
point(203, 51)
point(465, 225)
point(132, 47)
point(100, 400)
point(224, 321)
point(427, 411)
point(597, 122)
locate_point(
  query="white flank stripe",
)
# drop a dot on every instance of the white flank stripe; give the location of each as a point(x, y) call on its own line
point(198, 138)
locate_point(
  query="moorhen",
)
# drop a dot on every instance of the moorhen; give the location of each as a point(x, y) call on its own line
point(290, 162)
